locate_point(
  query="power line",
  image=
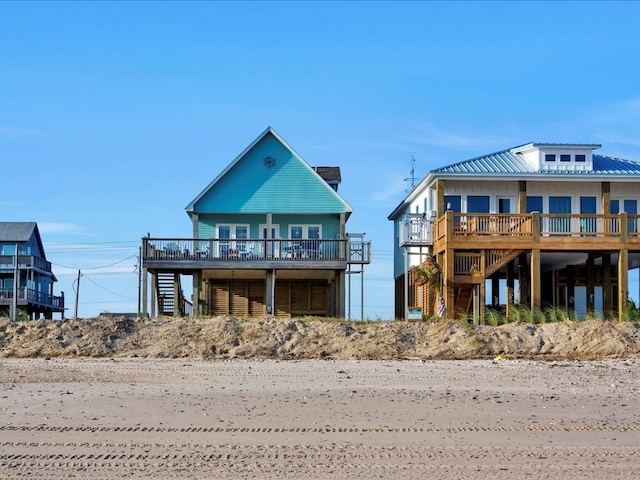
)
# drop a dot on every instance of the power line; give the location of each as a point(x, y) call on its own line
point(96, 268)
point(107, 290)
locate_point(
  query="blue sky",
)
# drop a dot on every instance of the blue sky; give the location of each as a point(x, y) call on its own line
point(115, 115)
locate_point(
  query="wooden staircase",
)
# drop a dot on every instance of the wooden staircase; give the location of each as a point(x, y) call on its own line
point(166, 293)
point(464, 296)
point(166, 286)
point(496, 259)
point(469, 274)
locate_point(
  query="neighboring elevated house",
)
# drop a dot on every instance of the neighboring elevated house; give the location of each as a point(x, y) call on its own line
point(539, 225)
point(269, 237)
point(34, 286)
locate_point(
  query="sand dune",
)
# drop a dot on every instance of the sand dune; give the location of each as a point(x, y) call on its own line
point(225, 337)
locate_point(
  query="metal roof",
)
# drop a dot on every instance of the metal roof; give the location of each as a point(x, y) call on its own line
point(500, 162)
point(506, 162)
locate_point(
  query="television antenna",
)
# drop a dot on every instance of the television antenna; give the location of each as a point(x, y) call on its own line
point(412, 178)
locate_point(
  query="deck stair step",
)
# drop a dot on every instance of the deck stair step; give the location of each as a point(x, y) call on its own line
point(166, 293)
point(496, 259)
point(464, 295)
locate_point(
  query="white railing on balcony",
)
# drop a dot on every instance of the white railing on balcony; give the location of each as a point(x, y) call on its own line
point(416, 229)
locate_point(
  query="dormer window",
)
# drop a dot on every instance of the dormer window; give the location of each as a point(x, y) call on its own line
point(550, 157)
point(565, 157)
point(581, 158)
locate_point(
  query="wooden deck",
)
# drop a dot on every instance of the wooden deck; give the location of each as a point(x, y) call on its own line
point(215, 253)
point(547, 232)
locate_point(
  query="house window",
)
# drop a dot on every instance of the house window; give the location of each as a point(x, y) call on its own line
point(565, 157)
point(504, 205)
point(581, 157)
point(534, 204)
point(550, 157)
point(8, 250)
point(560, 206)
point(629, 206)
point(478, 204)
point(297, 232)
point(232, 239)
point(453, 203)
point(588, 205)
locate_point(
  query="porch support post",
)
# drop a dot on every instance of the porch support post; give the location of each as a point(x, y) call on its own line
point(571, 288)
point(482, 302)
point(623, 268)
point(339, 283)
point(607, 286)
point(605, 198)
point(194, 220)
point(145, 293)
point(440, 206)
point(448, 290)
point(495, 290)
point(177, 304)
point(591, 289)
point(623, 283)
point(536, 294)
point(270, 282)
point(154, 293)
point(522, 196)
point(523, 280)
point(510, 288)
point(197, 284)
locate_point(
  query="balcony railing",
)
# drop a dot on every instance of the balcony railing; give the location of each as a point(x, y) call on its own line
point(255, 250)
point(535, 225)
point(415, 229)
point(25, 261)
point(32, 297)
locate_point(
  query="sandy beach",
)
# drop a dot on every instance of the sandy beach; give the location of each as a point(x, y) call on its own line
point(186, 418)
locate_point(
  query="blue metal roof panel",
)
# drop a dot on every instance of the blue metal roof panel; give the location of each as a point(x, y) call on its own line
point(506, 162)
point(605, 165)
point(500, 162)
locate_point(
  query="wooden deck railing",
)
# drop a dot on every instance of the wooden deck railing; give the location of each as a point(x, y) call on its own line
point(256, 250)
point(534, 225)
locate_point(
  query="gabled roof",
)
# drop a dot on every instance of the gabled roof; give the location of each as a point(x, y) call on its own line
point(20, 232)
point(508, 163)
point(17, 231)
point(262, 187)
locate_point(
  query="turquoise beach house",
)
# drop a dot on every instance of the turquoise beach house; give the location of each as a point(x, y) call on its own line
point(269, 238)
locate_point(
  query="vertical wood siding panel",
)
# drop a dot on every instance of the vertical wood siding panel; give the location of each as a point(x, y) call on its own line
point(283, 300)
point(239, 299)
point(220, 298)
point(257, 306)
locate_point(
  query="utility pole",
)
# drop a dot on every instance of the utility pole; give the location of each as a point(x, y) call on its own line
point(75, 315)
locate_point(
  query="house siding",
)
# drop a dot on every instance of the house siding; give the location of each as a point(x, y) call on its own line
point(207, 223)
point(289, 186)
